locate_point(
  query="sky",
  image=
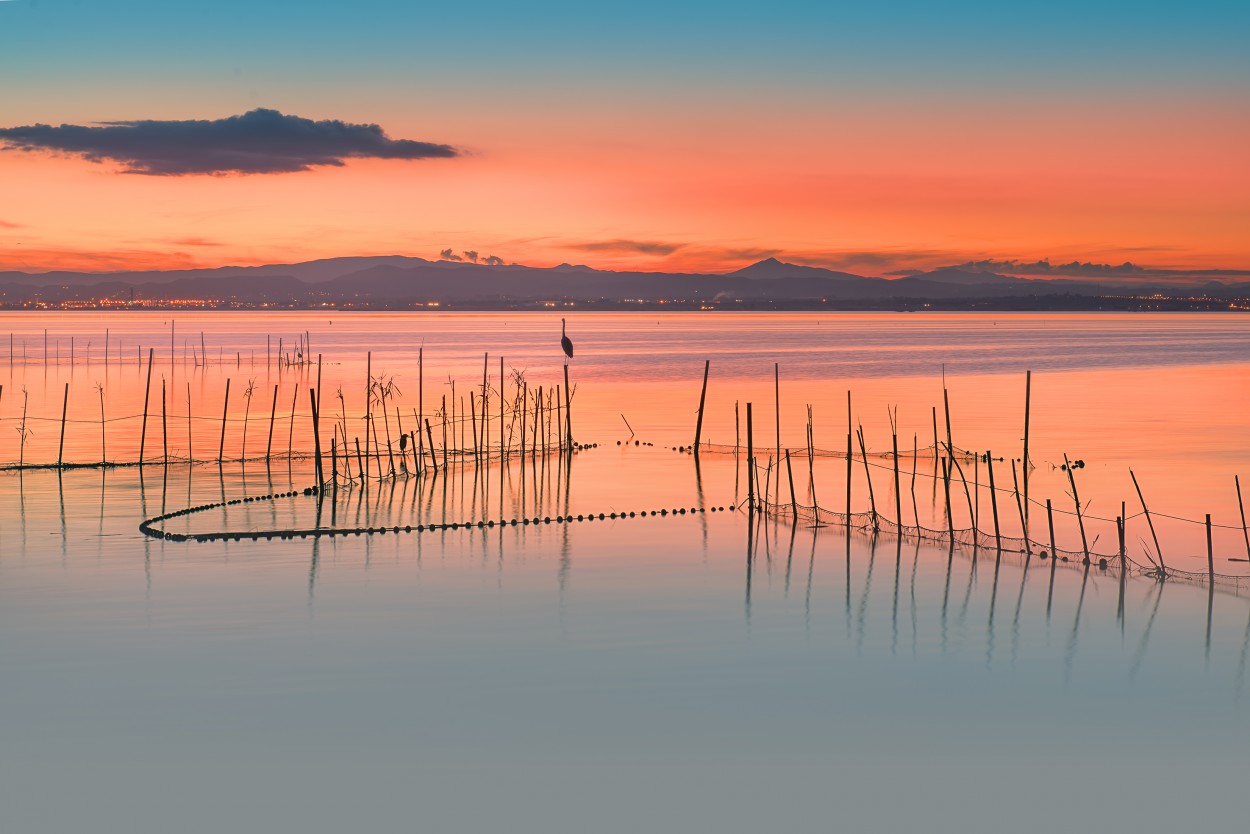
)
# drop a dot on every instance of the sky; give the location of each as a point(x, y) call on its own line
point(695, 136)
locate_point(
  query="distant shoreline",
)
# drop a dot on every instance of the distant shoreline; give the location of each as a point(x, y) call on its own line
point(1009, 304)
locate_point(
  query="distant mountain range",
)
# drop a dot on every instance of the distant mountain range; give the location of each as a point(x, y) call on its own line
point(391, 282)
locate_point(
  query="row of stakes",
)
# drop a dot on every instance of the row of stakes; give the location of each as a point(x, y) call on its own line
point(148, 528)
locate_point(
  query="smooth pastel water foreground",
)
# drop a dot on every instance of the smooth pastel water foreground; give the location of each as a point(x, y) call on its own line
point(684, 672)
point(648, 673)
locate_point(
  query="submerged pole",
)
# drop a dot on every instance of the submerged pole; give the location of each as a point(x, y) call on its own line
point(225, 405)
point(750, 462)
point(273, 414)
point(698, 425)
point(147, 392)
point(1149, 521)
point(998, 536)
point(64, 410)
point(1242, 507)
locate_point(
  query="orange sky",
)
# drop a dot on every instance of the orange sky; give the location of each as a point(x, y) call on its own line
point(868, 186)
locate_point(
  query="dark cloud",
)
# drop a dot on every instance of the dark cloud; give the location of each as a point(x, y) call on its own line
point(449, 255)
point(470, 255)
point(493, 260)
point(644, 247)
point(1087, 269)
point(258, 142)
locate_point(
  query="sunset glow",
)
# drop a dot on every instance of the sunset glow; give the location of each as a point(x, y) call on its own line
point(699, 159)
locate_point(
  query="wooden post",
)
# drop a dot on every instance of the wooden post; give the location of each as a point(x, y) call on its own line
point(430, 436)
point(368, 405)
point(64, 410)
point(946, 485)
point(147, 392)
point(1050, 521)
point(568, 408)
point(898, 495)
point(848, 462)
point(998, 536)
point(946, 408)
point(273, 413)
point(1242, 507)
point(1024, 465)
point(737, 429)
point(1149, 522)
point(190, 457)
point(360, 467)
point(319, 392)
point(418, 453)
point(872, 501)
point(164, 425)
point(221, 448)
point(473, 419)
point(1080, 520)
point(503, 404)
point(1121, 520)
point(312, 396)
point(750, 462)
point(794, 501)
point(1210, 553)
point(777, 414)
point(698, 425)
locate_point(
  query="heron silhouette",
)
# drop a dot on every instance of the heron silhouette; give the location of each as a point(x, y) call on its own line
point(565, 341)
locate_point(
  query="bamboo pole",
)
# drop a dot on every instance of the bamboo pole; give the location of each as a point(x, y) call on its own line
point(998, 536)
point(898, 495)
point(946, 485)
point(368, 404)
point(473, 419)
point(848, 462)
point(147, 392)
point(1024, 525)
point(273, 413)
point(1149, 521)
point(1080, 520)
point(1024, 464)
point(430, 436)
point(915, 457)
point(777, 414)
point(750, 462)
point(1050, 522)
point(568, 408)
point(872, 501)
point(1210, 553)
point(1242, 507)
point(164, 425)
point(225, 405)
point(698, 426)
point(312, 396)
point(64, 410)
point(794, 501)
point(190, 457)
point(418, 453)
point(503, 403)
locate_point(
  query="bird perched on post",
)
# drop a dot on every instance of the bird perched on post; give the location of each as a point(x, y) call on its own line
point(565, 341)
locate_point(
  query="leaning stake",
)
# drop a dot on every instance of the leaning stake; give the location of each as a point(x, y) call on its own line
point(698, 425)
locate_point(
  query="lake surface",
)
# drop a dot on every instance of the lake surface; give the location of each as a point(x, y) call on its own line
point(704, 670)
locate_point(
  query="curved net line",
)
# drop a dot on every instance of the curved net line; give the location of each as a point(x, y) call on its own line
point(1111, 563)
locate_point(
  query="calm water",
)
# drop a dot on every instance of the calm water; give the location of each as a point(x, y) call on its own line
point(686, 672)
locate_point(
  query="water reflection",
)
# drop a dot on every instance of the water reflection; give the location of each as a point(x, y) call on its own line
point(945, 600)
